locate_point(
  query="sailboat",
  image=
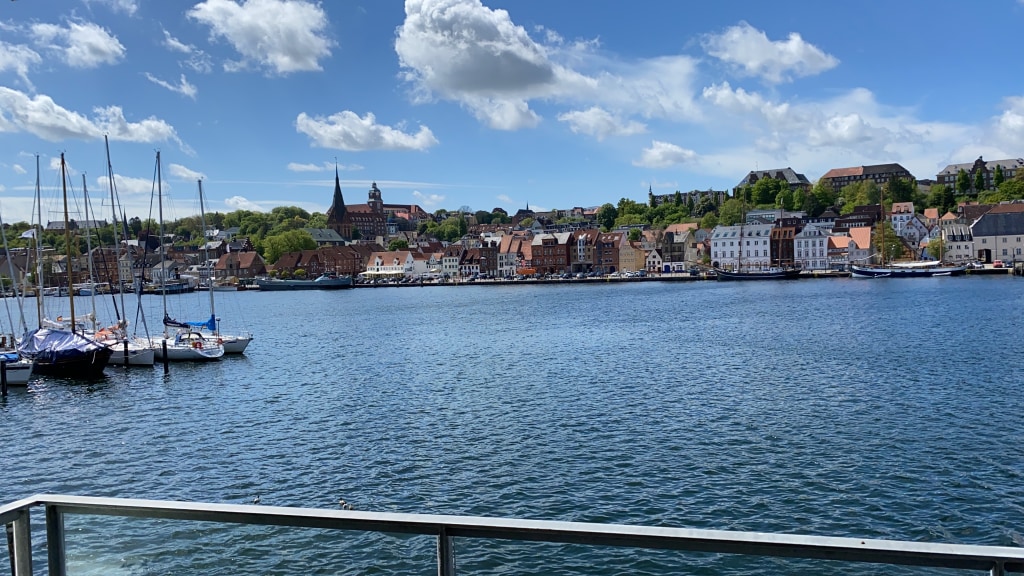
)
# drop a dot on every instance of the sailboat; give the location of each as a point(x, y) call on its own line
point(180, 341)
point(18, 369)
point(771, 273)
point(53, 349)
point(125, 351)
point(922, 269)
point(232, 343)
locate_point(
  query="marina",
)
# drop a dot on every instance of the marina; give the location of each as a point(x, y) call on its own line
point(575, 407)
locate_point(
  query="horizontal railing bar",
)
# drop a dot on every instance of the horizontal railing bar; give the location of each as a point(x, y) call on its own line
point(941, 555)
point(12, 511)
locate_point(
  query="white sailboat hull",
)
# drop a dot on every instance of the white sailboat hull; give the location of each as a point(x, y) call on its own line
point(187, 349)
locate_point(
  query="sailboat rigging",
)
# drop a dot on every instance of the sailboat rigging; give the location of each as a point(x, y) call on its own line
point(771, 273)
point(54, 349)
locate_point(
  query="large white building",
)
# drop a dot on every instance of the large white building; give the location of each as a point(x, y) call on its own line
point(741, 247)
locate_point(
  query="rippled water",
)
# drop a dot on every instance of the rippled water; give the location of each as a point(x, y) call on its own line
point(877, 409)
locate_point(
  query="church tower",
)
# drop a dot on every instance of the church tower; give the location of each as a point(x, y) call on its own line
point(337, 219)
point(375, 203)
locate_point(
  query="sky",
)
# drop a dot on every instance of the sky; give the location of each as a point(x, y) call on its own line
point(483, 104)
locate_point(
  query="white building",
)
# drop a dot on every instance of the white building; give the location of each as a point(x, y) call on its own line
point(811, 248)
point(741, 247)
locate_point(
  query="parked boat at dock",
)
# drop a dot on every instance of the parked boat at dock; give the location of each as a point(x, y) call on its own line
point(324, 282)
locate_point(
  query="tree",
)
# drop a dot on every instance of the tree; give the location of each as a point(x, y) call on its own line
point(999, 177)
point(941, 197)
point(606, 216)
point(677, 198)
point(766, 190)
point(650, 198)
point(635, 234)
point(317, 220)
point(979, 180)
point(784, 199)
point(397, 245)
point(963, 182)
point(935, 247)
point(526, 222)
point(731, 213)
point(824, 194)
point(900, 190)
point(710, 220)
point(886, 242)
point(291, 241)
point(500, 218)
point(483, 217)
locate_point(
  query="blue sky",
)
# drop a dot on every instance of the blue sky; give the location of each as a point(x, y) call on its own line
point(452, 103)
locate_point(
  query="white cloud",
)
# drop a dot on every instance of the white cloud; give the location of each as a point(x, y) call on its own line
point(129, 7)
point(197, 59)
point(749, 50)
point(183, 87)
point(282, 36)
point(347, 131)
point(463, 51)
point(179, 171)
point(1008, 127)
point(477, 56)
point(81, 44)
point(428, 200)
point(599, 123)
point(42, 117)
point(664, 155)
point(127, 184)
point(19, 58)
point(18, 169)
point(324, 167)
point(504, 198)
point(242, 203)
point(741, 101)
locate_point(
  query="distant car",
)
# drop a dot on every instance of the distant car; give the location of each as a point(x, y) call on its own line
point(975, 265)
point(997, 264)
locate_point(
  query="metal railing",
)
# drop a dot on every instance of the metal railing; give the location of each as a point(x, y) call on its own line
point(997, 560)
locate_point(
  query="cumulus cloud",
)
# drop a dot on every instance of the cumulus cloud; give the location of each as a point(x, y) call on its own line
point(281, 36)
point(129, 7)
point(183, 87)
point(18, 58)
point(600, 123)
point(81, 44)
point(466, 52)
point(663, 155)
point(242, 203)
point(42, 117)
point(751, 52)
point(428, 200)
point(347, 131)
point(1008, 127)
point(740, 101)
point(179, 171)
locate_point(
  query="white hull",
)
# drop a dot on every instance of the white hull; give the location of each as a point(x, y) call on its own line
point(18, 373)
point(235, 344)
point(137, 355)
point(187, 349)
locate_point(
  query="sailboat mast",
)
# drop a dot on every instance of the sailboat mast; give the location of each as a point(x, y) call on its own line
point(117, 245)
point(39, 251)
point(88, 248)
point(67, 239)
point(206, 250)
point(163, 256)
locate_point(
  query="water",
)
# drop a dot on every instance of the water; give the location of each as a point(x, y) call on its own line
point(873, 409)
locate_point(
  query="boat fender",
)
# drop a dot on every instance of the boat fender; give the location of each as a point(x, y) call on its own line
point(197, 344)
point(60, 318)
point(220, 341)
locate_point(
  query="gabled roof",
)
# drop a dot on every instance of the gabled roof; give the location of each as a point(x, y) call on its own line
point(862, 236)
point(1003, 223)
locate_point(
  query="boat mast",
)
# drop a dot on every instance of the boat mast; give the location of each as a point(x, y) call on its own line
point(88, 247)
point(67, 240)
point(39, 250)
point(206, 251)
point(163, 255)
point(117, 245)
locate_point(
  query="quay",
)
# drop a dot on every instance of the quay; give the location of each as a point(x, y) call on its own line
point(996, 560)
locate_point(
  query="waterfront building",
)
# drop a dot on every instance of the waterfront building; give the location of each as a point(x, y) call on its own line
point(510, 254)
point(900, 214)
point(957, 241)
point(1010, 167)
point(239, 265)
point(452, 259)
point(745, 247)
point(837, 178)
point(914, 230)
point(391, 264)
point(584, 245)
point(811, 248)
point(368, 219)
point(655, 262)
point(551, 252)
point(999, 233)
point(607, 252)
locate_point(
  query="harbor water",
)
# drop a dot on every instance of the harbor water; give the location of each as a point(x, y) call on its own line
point(864, 408)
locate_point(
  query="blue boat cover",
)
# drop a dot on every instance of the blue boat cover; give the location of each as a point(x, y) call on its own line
point(210, 324)
point(53, 346)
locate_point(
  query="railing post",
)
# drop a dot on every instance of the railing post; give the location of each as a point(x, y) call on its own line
point(22, 549)
point(445, 553)
point(998, 569)
point(55, 561)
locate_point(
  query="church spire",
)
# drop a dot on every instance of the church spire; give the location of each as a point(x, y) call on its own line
point(338, 203)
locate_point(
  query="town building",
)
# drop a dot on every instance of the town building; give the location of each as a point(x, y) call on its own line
point(837, 178)
point(999, 233)
point(795, 180)
point(949, 174)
